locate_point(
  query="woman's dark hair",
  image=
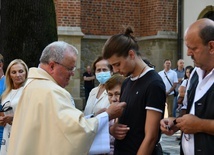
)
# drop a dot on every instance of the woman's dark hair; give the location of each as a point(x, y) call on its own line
point(190, 70)
point(120, 44)
point(99, 58)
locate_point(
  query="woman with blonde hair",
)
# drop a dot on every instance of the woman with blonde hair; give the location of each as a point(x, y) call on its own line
point(16, 75)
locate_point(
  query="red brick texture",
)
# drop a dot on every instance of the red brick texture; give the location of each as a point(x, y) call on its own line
point(68, 12)
point(107, 17)
point(158, 15)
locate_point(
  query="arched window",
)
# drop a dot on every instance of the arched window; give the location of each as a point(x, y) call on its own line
point(209, 15)
point(208, 12)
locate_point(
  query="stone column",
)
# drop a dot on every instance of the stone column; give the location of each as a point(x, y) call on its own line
point(73, 36)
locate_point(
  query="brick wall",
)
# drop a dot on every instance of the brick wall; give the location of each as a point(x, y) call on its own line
point(158, 15)
point(107, 17)
point(68, 12)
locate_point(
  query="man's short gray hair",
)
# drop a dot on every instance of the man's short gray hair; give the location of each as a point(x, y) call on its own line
point(55, 51)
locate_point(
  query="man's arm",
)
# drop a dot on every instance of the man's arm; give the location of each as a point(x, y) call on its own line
point(88, 78)
point(174, 82)
point(151, 132)
point(207, 126)
point(172, 88)
point(191, 124)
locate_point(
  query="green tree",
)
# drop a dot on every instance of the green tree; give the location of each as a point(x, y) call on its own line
point(26, 27)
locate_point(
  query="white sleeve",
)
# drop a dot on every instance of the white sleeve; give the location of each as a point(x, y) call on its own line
point(184, 83)
point(185, 96)
point(101, 143)
point(175, 77)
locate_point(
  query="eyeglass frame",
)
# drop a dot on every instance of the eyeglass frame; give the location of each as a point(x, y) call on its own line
point(69, 69)
point(4, 108)
point(114, 94)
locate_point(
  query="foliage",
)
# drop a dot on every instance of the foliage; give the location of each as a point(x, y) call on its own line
point(27, 26)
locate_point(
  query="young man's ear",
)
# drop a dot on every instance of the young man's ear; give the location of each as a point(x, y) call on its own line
point(132, 54)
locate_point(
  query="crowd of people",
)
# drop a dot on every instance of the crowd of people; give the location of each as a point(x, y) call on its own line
point(124, 114)
point(196, 119)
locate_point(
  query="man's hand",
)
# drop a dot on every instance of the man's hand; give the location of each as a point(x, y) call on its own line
point(167, 93)
point(115, 110)
point(167, 126)
point(188, 123)
point(119, 131)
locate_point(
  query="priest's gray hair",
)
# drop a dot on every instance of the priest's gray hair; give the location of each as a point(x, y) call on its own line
point(55, 51)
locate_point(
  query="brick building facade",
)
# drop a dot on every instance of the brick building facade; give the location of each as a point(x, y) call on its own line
point(106, 17)
point(87, 24)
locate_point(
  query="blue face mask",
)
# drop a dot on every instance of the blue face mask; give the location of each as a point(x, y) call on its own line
point(102, 77)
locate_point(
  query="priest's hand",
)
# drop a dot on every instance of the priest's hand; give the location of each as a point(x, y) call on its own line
point(100, 111)
point(115, 110)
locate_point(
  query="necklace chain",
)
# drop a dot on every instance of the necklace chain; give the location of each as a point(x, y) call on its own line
point(130, 89)
point(135, 80)
point(141, 72)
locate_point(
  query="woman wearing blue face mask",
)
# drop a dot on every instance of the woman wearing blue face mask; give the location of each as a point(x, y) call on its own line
point(98, 97)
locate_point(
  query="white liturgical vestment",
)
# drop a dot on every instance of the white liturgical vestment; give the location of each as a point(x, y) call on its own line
point(47, 123)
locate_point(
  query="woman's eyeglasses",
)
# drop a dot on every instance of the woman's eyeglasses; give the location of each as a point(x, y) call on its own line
point(111, 95)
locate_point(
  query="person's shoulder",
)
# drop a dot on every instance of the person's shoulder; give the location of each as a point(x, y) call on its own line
point(151, 72)
point(2, 80)
point(3, 77)
point(173, 71)
point(85, 73)
point(184, 82)
point(157, 77)
point(152, 75)
point(160, 72)
point(155, 81)
point(95, 89)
